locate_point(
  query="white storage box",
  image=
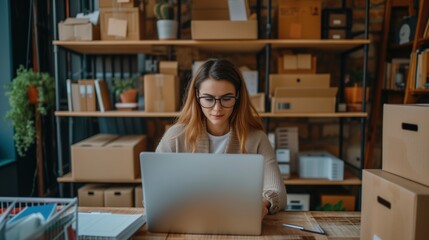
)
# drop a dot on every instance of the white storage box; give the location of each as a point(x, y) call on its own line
point(315, 164)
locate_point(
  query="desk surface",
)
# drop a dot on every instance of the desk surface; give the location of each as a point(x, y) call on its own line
point(337, 225)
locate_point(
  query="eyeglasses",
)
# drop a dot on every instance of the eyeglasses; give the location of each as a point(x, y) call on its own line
point(225, 101)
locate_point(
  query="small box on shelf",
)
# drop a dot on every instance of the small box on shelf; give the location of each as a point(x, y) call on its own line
point(121, 24)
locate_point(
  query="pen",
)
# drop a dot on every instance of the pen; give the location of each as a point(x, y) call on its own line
point(304, 229)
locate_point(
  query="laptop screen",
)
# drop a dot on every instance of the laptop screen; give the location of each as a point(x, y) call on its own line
point(202, 193)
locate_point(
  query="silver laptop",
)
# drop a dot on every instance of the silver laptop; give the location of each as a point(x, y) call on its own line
point(202, 193)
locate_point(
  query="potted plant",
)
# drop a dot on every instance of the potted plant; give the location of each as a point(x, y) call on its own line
point(125, 90)
point(28, 88)
point(166, 25)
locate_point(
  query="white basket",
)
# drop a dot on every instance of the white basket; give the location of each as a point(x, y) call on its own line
point(61, 225)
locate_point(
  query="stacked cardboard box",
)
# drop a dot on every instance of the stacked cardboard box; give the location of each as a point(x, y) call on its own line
point(103, 195)
point(300, 93)
point(121, 20)
point(78, 29)
point(395, 199)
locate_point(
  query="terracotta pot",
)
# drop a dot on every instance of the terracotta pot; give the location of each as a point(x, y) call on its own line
point(129, 96)
point(32, 94)
point(354, 94)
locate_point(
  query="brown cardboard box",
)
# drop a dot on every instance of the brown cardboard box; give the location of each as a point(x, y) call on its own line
point(393, 207)
point(349, 201)
point(299, 81)
point(169, 67)
point(92, 195)
point(119, 196)
point(118, 3)
point(337, 19)
point(258, 101)
point(224, 29)
point(138, 196)
point(106, 156)
point(121, 24)
point(210, 14)
point(299, 19)
point(337, 34)
point(405, 141)
point(161, 92)
point(304, 100)
point(78, 29)
point(209, 4)
point(297, 63)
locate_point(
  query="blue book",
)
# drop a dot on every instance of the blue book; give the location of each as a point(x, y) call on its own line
point(46, 211)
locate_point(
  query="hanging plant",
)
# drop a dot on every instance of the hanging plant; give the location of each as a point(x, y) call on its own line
point(22, 112)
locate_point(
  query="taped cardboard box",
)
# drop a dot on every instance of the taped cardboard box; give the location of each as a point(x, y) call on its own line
point(119, 196)
point(107, 156)
point(405, 141)
point(304, 100)
point(78, 29)
point(297, 63)
point(299, 81)
point(224, 29)
point(92, 195)
point(299, 19)
point(161, 92)
point(393, 207)
point(121, 24)
point(118, 3)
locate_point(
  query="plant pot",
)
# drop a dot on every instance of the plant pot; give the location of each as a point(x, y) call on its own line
point(128, 96)
point(167, 29)
point(32, 94)
point(354, 94)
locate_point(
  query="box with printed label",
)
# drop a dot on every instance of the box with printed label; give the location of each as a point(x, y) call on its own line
point(92, 195)
point(299, 19)
point(121, 24)
point(78, 29)
point(405, 141)
point(119, 196)
point(107, 156)
point(161, 92)
point(393, 207)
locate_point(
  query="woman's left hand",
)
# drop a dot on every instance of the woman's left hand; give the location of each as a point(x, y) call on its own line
point(265, 206)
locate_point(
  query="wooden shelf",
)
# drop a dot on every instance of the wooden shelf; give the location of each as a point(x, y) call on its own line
point(68, 178)
point(349, 179)
point(237, 46)
point(175, 114)
point(419, 91)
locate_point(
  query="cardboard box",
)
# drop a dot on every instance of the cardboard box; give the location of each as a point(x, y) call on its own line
point(78, 29)
point(121, 24)
point(337, 19)
point(405, 141)
point(337, 34)
point(92, 195)
point(393, 207)
point(106, 156)
point(304, 100)
point(210, 14)
point(118, 3)
point(119, 196)
point(299, 19)
point(298, 81)
point(258, 101)
point(224, 29)
point(169, 67)
point(138, 196)
point(161, 92)
point(209, 4)
point(349, 201)
point(297, 63)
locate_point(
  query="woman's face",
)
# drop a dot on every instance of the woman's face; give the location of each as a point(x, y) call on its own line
point(217, 116)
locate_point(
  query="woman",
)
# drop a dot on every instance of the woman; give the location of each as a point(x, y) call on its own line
point(217, 117)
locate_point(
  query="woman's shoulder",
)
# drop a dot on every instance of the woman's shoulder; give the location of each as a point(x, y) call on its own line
point(175, 129)
point(257, 133)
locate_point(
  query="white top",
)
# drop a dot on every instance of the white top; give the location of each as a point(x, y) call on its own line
point(218, 143)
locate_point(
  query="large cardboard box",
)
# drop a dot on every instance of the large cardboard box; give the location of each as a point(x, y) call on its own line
point(119, 196)
point(161, 92)
point(78, 29)
point(393, 207)
point(299, 81)
point(92, 195)
point(405, 141)
point(118, 3)
point(304, 100)
point(224, 29)
point(138, 196)
point(106, 156)
point(121, 24)
point(299, 19)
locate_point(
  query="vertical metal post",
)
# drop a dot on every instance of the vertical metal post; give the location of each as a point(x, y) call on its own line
point(268, 64)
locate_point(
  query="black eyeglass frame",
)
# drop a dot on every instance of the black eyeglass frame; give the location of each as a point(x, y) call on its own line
point(219, 99)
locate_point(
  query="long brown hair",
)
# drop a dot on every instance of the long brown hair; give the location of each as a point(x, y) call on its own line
point(244, 117)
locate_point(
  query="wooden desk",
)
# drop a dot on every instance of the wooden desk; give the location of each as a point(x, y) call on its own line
point(337, 225)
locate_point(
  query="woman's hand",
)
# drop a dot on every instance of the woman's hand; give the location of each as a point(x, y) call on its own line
point(265, 207)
